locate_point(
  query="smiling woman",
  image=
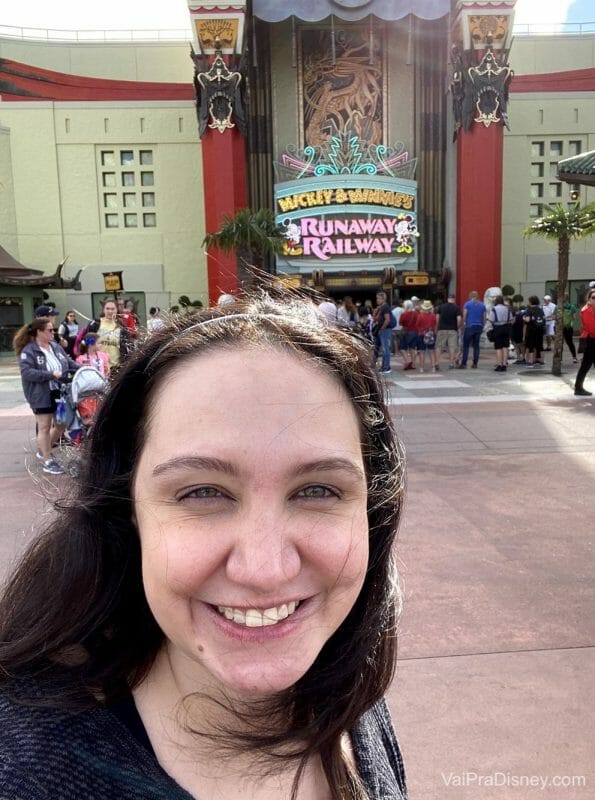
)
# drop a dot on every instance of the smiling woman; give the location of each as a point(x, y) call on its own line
point(222, 624)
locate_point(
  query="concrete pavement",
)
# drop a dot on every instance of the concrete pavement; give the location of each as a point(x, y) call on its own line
point(493, 690)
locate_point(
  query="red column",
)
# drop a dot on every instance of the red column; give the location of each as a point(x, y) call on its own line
point(479, 208)
point(224, 181)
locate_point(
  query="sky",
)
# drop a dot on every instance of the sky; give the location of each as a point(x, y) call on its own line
point(173, 14)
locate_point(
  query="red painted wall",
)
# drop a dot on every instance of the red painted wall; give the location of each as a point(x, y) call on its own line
point(479, 209)
point(224, 179)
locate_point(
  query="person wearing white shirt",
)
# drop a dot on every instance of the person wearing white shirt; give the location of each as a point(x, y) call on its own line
point(549, 312)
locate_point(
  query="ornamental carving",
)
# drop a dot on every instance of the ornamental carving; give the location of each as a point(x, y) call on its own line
point(211, 32)
point(479, 92)
point(341, 84)
point(488, 28)
point(218, 95)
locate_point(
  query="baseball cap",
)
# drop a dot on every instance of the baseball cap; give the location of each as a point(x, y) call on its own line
point(547, 297)
point(90, 339)
point(46, 311)
point(592, 285)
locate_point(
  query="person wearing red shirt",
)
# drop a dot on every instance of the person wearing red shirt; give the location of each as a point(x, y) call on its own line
point(586, 341)
point(127, 316)
point(408, 339)
point(426, 324)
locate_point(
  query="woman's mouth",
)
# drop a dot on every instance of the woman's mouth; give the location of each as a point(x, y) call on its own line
point(258, 617)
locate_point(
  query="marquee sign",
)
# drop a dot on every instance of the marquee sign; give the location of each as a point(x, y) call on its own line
point(350, 205)
point(348, 220)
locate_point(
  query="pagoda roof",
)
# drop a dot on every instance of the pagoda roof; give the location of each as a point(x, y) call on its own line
point(10, 266)
point(578, 169)
point(13, 273)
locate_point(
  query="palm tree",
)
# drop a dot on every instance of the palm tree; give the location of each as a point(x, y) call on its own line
point(563, 224)
point(253, 235)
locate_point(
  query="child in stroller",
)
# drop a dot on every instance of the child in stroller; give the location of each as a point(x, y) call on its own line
point(79, 401)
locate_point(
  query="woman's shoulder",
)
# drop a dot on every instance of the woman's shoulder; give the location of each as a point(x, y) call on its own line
point(378, 754)
point(30, 347)
point(48, 753)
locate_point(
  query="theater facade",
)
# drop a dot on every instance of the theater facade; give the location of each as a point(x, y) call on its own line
point(392, 140)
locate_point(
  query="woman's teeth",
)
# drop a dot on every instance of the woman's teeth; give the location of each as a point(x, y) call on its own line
point(256, 618)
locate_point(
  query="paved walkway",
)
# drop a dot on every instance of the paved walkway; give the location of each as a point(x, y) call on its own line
point(493, 691)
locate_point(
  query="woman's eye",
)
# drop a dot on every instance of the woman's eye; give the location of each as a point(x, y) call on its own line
point(202, 493)
point(316, 492)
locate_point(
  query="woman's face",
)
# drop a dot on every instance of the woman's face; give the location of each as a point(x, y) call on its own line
point(109, 310)
point(70, 316)
point(250, 502)
point(46, 334)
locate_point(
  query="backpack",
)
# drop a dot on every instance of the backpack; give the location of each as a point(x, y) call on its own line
point(429, 336)
point(393, 321)
point(538, 318)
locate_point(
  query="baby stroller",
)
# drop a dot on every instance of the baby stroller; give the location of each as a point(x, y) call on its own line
point(77, 407)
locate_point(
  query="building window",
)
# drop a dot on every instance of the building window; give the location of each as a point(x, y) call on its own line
point(123, 171)
point(543, 171)
point(555, 190)
point(556, 149)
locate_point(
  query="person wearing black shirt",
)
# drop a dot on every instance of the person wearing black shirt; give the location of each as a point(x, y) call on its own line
point(450, 319)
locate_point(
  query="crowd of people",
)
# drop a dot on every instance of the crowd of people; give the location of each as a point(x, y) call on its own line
point(49, 357)
point(425, 334)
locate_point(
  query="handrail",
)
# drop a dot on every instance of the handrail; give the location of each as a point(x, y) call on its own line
point(185, 34)
point(125, 35)
point(551, 28)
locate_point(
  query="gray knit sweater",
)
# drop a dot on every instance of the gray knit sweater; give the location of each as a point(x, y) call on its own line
point(47, 754)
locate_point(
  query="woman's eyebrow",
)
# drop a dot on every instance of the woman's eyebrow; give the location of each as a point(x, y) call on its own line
point(330, 465)
point(213, 464)
point(196, 462)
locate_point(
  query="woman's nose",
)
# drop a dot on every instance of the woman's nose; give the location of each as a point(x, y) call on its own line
point(264, 555)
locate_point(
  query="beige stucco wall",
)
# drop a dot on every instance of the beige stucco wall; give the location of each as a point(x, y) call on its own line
point(58, 196)
point(8, 220)
point(527, 263)
point(131, 61)
point(559, 53)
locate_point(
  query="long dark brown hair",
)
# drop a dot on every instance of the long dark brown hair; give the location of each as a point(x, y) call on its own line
point(97, 638)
